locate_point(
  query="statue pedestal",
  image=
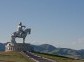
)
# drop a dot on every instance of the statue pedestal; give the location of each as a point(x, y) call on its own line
point(18, 47)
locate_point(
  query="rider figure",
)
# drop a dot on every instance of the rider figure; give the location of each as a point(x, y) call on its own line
point(20, 28)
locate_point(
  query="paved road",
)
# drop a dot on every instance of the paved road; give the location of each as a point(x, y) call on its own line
point(38, 58)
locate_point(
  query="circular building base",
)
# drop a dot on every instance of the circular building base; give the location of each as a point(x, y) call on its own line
point(18, 47)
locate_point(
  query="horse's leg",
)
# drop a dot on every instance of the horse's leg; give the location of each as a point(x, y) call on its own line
point(13, 39)
point(23, 40)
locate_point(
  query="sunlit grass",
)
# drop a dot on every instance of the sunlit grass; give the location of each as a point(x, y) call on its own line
point(13, 57)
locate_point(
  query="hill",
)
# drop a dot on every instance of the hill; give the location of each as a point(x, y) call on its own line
point(58, 58)
point(43, 48)
point(2, 46)
point(46, 48)
point(17, 57)
point(13, 57)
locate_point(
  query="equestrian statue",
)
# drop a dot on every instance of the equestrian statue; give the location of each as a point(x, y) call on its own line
point(21, 32)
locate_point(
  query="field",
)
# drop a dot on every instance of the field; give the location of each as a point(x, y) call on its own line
point(18, 57)
point(58, 58)
point(13, 57)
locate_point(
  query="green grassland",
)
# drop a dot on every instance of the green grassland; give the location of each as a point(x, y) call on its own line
point(13, 57)
point(58, 58)
point(18, 57)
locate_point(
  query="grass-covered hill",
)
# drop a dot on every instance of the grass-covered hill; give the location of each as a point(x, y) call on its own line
point(58, 58)
point(13, 57)
point(18, 57)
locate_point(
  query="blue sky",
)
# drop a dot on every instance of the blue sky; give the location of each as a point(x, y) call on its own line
point(56, 22)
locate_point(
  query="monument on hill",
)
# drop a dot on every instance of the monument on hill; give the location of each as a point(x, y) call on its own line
point(21, 32)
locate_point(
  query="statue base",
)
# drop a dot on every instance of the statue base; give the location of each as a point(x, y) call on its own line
point(18, 47)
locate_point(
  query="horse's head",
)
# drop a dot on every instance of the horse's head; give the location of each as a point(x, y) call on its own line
point(28, 30)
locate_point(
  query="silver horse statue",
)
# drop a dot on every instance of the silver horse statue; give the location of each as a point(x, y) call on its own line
point(20, 33)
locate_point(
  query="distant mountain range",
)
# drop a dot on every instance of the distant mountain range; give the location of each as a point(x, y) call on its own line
point(46, 48)
point(2, 46)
